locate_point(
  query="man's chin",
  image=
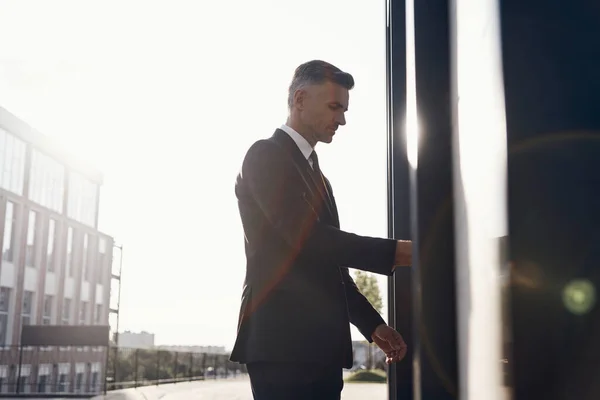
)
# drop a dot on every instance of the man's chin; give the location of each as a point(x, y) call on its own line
point(327, 138)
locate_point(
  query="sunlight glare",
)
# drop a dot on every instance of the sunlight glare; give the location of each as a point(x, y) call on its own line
point(412, 119)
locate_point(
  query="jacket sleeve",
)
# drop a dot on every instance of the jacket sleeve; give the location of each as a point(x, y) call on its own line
point(271, 178)
point(361, 312)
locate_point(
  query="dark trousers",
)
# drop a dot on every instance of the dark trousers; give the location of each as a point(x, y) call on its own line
point(295, 381)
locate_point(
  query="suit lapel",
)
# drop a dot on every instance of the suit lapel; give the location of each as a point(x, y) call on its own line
point(308, 176)
point(334, 214)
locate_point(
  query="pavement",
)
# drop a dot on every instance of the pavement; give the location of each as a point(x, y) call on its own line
point(229, 389)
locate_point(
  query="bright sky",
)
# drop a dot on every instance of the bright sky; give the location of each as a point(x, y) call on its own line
point(165, 98)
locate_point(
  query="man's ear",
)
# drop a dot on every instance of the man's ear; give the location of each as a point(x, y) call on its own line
point(300, 98)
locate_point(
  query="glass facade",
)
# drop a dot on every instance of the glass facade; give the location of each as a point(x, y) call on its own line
point(82, 199)
point(12, 162)
point(47, 181)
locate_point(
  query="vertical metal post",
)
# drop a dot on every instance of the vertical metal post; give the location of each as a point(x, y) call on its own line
point(107, 349)
point(158, 367)
point(19, 369)
point(136, 367)
point(119, 292)
point(175, 368)
point(399, 285)
point(429, 123)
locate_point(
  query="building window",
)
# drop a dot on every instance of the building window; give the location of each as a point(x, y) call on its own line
point(42, 383)
point(101, 268)
point(32, 239)
point(98, 314)
point(48, 303)
point(23, 385)
point(82, 199)
point(51, 245)
point(83, 312)
point(10, 221)
point(69, 260)
point(12, 162)
point(62, 383)
point(84, 261)
point(47, 182)
point(4, 307)
point(95, 388)
point(66, 312)
point(26, 312)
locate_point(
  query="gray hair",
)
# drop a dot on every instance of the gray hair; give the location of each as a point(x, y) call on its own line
point(317, 72)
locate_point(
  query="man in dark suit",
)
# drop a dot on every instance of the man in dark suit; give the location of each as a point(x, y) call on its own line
point(298, 298)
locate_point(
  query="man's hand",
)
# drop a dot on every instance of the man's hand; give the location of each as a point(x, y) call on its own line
point(390, 342)
point(403, 254)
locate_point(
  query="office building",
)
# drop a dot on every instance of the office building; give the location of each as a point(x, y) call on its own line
point(134, 340)
point(55, 266)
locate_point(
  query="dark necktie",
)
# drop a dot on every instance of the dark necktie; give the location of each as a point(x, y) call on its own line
point(315, 162)
point(318, 176)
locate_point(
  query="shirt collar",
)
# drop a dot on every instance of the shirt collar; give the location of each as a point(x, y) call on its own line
point(302, 143)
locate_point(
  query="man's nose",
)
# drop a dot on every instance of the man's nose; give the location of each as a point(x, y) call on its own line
point(341, 120)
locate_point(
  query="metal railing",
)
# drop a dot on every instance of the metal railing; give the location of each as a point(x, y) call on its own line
point(137, 367)
point(88, 371)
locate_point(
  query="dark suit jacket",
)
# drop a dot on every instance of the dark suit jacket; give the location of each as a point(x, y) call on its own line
point(298, 297)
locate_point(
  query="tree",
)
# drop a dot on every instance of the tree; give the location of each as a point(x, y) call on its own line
point(369, 287)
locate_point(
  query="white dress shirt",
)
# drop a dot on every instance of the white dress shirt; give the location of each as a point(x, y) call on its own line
point(302, 143)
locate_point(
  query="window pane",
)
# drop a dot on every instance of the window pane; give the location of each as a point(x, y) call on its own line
point(27, 302)
point(3, 328)
point(4, 307)
point(82, 199)
point(32, 234)
point(47, 183)
point(8, 245)
point(101, 267)
point(84, 261)
point(12, 162)
point(98, 314)
point(66, 312)
point(69, 260)
point(48, 302)
point(83, 313)
point(50, 248)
